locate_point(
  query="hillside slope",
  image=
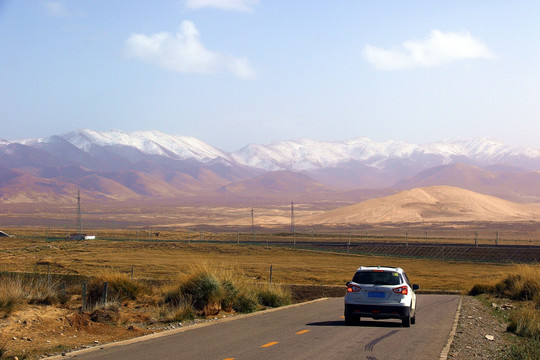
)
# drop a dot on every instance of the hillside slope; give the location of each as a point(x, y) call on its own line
point(430, 205)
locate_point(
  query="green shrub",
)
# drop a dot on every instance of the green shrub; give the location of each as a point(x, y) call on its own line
point(246, 301)
point(230, 293)
point(205, 292)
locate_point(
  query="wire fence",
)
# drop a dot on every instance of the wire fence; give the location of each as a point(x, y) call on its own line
point(470, 246)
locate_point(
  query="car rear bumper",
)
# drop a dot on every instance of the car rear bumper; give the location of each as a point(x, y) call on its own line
point(377, 311)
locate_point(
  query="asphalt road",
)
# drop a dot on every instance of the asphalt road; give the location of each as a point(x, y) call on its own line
point(311, 331)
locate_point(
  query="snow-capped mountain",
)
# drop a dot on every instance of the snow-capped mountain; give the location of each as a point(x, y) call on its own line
point(147, 142)
point(150, 164)
point(308, 154)
point(296, 155)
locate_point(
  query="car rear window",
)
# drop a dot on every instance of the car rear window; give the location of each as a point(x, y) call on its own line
point(377, 277)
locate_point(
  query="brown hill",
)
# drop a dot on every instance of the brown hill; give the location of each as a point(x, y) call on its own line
point(278, 184)
point(505, 182)
point(429, 205)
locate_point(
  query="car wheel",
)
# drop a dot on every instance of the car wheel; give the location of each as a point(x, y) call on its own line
point(406, 321)
point(351, 320)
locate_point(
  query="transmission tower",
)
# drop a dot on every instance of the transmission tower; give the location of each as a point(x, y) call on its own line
point(79, 214)
point(252, 222)
point(292, 217)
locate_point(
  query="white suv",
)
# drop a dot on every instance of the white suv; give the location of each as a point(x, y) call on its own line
point(380, 292)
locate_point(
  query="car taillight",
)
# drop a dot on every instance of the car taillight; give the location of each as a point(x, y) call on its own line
point(403, 290)
point(353, 288)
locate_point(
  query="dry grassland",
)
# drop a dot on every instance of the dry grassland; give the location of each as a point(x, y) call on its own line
point(167, 260)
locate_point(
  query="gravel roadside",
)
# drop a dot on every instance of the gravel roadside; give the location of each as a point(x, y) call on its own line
point(480, 334)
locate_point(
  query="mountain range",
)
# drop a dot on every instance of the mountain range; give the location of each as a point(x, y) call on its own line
point(150, 165)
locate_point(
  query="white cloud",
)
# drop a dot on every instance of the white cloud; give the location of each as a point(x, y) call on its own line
point(184, 52)
point(438, 49)
point(56, 8)
point(237, 5)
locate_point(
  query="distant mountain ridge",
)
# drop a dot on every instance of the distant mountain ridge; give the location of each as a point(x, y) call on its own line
point(120, 165)
point(296, 155)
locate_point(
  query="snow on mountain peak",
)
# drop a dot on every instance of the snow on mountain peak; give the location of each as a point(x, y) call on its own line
point(148, 142)
point(300, 154)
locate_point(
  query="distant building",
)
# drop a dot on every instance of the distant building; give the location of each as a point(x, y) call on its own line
point(76, 236)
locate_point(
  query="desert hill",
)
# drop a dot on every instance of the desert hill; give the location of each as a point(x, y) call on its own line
point(430, 205)
point(505, 182)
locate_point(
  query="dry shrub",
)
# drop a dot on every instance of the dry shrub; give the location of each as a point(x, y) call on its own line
point(120, 287)
point(11, 294)
point(525, 321)
point(179, 313)
point(523, 284)
point(17, 290)
point(109, 313)
point(274, 296)
point(482, 289)
point(213, 288)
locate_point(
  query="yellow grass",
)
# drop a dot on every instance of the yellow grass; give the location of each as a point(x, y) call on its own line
point(166, 260)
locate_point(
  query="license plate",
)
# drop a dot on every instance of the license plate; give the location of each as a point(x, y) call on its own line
point(377, 294)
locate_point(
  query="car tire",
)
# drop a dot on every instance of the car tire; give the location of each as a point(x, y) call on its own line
point(406, 321)
point(351, 320)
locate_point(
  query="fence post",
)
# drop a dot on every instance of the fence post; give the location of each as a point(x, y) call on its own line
point(84, 296)
point(270, 274)
point(48, 276)
point(238, 237)
point(425, 234)
point(267, 241)
point(366, 237)
point(131, 272)
point(105, 290)
point(497, 238)
point(406, 239)
point(476, 239)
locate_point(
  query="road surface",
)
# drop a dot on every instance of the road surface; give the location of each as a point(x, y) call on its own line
point(310, 331)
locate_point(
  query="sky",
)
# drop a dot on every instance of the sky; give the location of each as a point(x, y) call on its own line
point(236, 72)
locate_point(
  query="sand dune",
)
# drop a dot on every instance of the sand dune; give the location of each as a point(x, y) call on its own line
point(432, 205)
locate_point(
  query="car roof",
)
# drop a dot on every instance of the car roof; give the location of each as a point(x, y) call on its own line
point(380, 267)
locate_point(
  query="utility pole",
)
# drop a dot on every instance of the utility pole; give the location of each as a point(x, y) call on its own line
point(252, 222)
point(292, 217)
point(79, 214)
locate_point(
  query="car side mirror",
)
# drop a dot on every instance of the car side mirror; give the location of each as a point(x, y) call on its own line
point(415, 287)
point(347, 283)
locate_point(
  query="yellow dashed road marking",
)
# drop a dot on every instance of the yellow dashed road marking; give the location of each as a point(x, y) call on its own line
point(270, 344)
point(302, 332)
